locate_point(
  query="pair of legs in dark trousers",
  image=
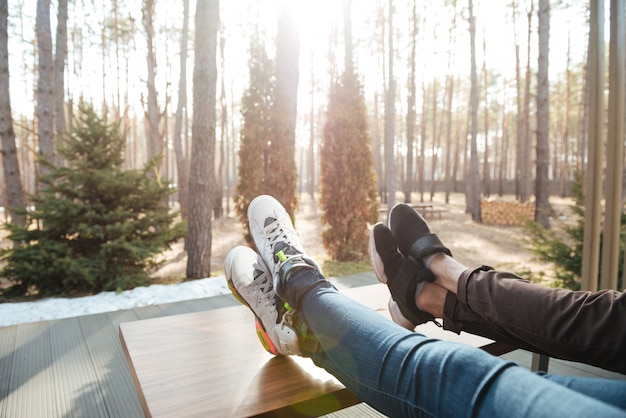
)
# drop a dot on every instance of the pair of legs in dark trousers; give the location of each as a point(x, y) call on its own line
point(588, 327)
point(426, 282)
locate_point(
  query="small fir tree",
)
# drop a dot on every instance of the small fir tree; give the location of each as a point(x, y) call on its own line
point(94, 226)
point(567, 252)
point(348, 184)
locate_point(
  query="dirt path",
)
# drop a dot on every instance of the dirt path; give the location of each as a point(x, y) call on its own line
point(471, 243)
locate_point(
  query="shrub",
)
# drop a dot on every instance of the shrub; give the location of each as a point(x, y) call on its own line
point(94, 226)
point(566, 252)
point(266, 150)
point(348, 190)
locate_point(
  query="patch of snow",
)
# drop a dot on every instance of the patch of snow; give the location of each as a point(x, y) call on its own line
point(58, 308)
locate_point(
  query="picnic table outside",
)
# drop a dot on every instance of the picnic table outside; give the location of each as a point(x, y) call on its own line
point(427, 209)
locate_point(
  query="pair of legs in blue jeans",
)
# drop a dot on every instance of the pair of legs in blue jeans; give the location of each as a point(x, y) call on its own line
point(404, 373)
point(397, 371)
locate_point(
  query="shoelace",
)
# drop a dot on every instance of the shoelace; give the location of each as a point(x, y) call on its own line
point(276, 233)
point(264, 282)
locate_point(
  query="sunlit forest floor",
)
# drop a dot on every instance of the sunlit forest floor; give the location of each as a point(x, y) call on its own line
point(473, 244)
point(502, 247)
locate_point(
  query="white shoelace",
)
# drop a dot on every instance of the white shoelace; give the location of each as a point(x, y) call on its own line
point(265, 284)
point(276, 233)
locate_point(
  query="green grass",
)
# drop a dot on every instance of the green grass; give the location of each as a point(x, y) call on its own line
point(338, 268)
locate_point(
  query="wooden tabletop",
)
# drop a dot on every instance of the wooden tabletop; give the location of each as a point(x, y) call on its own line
point(212, 364)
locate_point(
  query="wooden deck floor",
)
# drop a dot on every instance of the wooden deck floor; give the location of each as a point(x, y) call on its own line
point(76, 368)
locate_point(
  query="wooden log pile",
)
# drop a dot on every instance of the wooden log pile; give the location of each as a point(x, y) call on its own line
point(498, 212)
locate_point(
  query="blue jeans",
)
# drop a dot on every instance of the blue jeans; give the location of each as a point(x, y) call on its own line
point(403, 373)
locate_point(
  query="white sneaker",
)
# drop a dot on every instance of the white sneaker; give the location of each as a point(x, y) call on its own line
point(276, 239)
point(251, 283)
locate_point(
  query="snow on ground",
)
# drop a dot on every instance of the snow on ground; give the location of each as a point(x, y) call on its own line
point(57, 308)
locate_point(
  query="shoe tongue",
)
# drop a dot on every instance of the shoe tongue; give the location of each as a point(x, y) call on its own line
point(285, 248)
point(269, 220)
point(257, 273)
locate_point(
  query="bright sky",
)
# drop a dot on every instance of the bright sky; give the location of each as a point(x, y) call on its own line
point(316, 19)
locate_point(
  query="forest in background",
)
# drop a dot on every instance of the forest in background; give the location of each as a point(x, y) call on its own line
point(452, 89)
point(106, 65)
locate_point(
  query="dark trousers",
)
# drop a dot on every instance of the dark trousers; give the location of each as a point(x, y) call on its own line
point(588, 327)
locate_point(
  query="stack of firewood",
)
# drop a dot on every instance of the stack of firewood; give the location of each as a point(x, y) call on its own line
point(500, 212)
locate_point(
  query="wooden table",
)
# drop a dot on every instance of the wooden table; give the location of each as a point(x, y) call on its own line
point(212, 364)
point(427, 209)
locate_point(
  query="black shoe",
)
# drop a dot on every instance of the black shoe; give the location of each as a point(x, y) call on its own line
point(412, 233)
point(401, 275)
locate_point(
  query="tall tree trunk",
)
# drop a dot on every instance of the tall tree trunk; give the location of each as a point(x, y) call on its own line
point(155, 145)
point(450, 92)
point(310, 162)
point(486, 169)
point(59, 72)
point(410, 112)
point(473, 195)
point(218, 196)
point(181, 156)
point(422, 154)
point(519, 118)
point(542, 208)
point(594, 167)
point(25, 153)
point(567, 161)
point(285, 107)
point(437, 134)
point(202, 171)
point(12, 181)
point(390, 171)
point(103, 49)
point(378, 159)
point(583, 116)
point(615, 147)
point(465, 169)
point(504, 153)
point(233, 163)
point(379, 140)
point(435, 140)
point(45, 86)
point(460, 148)
point(526, 176)
point(116, 40)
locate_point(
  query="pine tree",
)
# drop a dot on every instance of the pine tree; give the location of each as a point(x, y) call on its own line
point(94, 227)
point(281, 173)
point(267, 146)
point(255, 148)
point(348, 186)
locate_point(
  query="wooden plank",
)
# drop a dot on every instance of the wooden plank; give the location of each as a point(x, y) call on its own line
point(76, 384)
point(174, 308)
point(361, 410)
point(7, 348)
point(31, 392)
point(148, 312)
point(112, 375)
point(216, 302)
point(117, 317)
